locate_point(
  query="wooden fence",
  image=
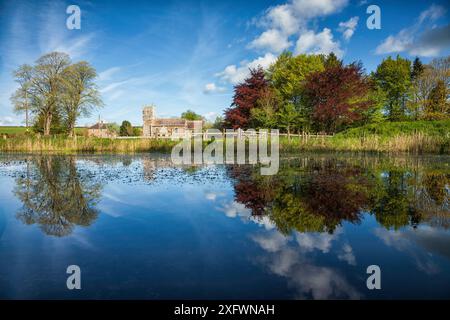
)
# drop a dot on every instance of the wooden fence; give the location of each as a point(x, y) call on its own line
point(238, 134)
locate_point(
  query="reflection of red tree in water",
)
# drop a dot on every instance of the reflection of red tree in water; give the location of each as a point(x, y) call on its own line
point(248, 191)
point(326, 190)
point(337, 194)
point(318, 194)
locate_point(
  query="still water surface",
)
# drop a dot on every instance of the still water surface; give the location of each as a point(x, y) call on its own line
point(139, 227)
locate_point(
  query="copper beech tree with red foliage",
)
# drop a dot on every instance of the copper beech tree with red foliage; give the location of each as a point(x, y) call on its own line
point(337, 96)
point(246, 96)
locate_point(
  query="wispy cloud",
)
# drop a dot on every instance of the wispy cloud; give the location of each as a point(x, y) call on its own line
point(347, 28)
point(423, 38)
point(108, 73)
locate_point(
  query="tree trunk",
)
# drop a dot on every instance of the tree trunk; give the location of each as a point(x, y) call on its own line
point(71, 130)
point(47, 124)
point(289, 133)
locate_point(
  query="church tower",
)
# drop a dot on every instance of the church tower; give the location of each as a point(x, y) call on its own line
point(148, 115)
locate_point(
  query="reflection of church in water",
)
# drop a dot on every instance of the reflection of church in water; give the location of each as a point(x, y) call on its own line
point(151, 165)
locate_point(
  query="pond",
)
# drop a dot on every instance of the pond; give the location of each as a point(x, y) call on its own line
point(141, 228)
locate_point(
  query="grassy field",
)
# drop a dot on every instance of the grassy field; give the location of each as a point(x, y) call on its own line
point(410, 137)
point(21, 130)
point(392, 129)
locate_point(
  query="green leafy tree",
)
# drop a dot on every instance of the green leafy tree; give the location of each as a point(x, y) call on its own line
point(80, 94)
point(437, 105)
point(22, 98)
point(137, 131)
point(288, 73)
point(47, 82)
point(417, 69)
point(288, 118)
point(113, 128)
point(191, 115)
point(126, 129)
point(332, 61)
point(264, 115)
point(374, 112)
point(218, 123)
point(287, 78)
point(394, 77)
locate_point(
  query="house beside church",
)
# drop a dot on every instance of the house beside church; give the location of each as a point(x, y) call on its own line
point(100, 130)
point(168, 127)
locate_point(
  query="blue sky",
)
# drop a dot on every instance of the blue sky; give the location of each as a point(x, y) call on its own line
point(183, 55)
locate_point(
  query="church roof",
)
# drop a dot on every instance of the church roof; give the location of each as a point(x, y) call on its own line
point(172, 122)
point(99, 125)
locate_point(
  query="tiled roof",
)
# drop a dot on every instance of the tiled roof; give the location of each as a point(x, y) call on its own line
point(175, 122)
point(191, 124)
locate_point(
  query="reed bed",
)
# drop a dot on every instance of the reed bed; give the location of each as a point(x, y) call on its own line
point(416, 143)
point(84, 145)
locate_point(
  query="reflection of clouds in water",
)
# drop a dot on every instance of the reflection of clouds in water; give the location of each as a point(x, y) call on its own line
point(264, 221)
point(323, 242)
point(308, 279)
point(434, 241)
point(290, 261)
point(272, 241)
point(347, 255)
point(213, 195)
point(317, 241)
point(234, 209)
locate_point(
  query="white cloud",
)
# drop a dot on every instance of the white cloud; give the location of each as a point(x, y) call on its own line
point(75, 47)
point(422, 38)
point(318, 43)
point(112, 86)
point(397, 43)
point(115, 95)
point(272, 40)
point(431, 42)
point(286, 21)
point(283, 17)
point(5, 121)
point(362, 3)
point(348, 28)
point(236, 74)
point(318, 8)
point(211, 116)
point(108, 73)
point(213, 88)
point(433, 13)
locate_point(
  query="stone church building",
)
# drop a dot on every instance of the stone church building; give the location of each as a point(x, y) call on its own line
point(169, 127)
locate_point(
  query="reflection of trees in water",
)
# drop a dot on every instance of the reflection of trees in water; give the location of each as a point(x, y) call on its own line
point(55, 196)
point(317, 195)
